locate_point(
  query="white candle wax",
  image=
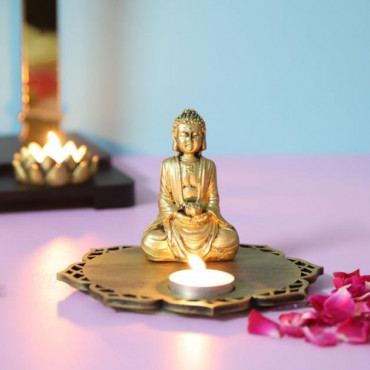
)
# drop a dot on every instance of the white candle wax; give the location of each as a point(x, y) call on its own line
point(202, 283)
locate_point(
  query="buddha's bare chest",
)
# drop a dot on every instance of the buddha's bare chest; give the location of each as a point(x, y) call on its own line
point(190, 175)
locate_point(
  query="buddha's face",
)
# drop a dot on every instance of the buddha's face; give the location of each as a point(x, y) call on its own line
point(189, 138)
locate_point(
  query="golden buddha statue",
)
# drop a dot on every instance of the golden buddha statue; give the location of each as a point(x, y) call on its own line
point(189, 219)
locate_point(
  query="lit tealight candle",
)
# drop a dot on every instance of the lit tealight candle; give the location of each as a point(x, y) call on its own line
point(199, 282)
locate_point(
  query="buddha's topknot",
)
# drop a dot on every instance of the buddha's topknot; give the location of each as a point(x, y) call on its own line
point(189, 116)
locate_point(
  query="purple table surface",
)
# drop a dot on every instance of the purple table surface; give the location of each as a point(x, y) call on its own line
point(311, 207)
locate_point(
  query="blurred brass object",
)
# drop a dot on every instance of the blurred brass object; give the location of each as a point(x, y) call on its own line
point(121, 277)
point(189, 219)
point(30, 168)
point(40, 87)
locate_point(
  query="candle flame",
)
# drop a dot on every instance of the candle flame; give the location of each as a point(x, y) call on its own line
point(36, 151)
point(56, 151)
point(53, 148)
point(196, 263)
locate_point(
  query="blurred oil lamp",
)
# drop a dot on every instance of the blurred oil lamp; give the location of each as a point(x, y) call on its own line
point(54, 164)
point(200, 282)
point(47, 167)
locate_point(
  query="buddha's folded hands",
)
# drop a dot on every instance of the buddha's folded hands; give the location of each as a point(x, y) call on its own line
point(193, 209)
point(181, 216)
point(202, 217)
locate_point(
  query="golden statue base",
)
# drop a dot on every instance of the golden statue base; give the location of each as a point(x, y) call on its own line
point(121, 277)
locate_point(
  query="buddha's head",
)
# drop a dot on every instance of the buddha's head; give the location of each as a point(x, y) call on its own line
point(189, 133)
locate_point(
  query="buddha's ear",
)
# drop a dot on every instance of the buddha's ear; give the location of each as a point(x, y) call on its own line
point(204, 143)
point(174, 144)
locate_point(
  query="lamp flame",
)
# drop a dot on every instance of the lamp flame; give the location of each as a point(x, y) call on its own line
point(56, 151)
point(196, 263)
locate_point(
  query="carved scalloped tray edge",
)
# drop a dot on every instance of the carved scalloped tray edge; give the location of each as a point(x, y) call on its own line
point(296, 291)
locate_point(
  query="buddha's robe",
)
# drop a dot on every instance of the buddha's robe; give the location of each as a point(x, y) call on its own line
point(172, 236)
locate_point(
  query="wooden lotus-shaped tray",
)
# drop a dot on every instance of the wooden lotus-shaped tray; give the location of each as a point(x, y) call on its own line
point(121, 277)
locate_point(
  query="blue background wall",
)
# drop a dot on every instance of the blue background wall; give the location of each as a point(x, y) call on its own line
point(272, 76)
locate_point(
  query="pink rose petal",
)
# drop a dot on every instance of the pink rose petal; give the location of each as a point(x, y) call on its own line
point(258, 324)
point(338, 282)
point(309, 317)
point(317, 301)
point(364, 297)
point(361, 279)
point(344, 275)
point(358, 285)
point(358, 289)
point(338, 307)
point(319, 336)
point(334, 308)
point(362, 309)
point(354, 330)
point(292, 323)
point(348, 306)
point(341, 278)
